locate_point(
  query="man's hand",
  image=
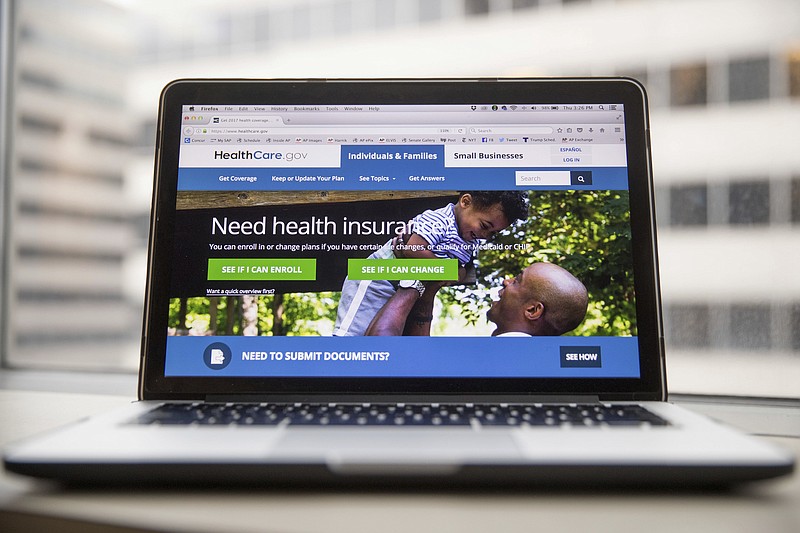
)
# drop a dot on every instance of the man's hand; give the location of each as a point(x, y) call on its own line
point(398, 246)
point(407, 313)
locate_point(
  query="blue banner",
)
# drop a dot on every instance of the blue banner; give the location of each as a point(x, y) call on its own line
point(435, 357)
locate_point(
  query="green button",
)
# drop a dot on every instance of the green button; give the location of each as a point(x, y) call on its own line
point(262, 269)
point(395, 269)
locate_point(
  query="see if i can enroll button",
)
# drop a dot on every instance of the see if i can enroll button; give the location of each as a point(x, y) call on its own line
point(241, 269)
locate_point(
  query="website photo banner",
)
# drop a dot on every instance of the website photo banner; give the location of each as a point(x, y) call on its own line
point(306, 245)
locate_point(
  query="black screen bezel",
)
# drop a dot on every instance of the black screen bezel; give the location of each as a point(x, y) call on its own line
point(650, 386)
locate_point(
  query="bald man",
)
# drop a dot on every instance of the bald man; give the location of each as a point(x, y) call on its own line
point(544, 299)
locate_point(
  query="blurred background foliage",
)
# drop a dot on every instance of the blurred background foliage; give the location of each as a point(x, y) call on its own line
point(279, 314)
point(587, 233)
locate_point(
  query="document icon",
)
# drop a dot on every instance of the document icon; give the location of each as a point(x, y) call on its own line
point(217, 357)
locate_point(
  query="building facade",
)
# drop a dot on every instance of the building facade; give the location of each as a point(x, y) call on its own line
point(724, 83)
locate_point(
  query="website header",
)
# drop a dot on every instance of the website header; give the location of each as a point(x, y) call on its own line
point(458, 156)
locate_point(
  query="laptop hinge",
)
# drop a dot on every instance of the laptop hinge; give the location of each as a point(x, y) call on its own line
point(401, 398)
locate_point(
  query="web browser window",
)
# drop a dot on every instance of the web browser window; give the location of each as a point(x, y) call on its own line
point(335, 208)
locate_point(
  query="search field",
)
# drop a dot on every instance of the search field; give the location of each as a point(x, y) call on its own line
point(574, 178)
point(511, 130)
point(527, 178)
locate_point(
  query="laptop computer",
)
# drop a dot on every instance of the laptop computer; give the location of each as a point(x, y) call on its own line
point(423, 281)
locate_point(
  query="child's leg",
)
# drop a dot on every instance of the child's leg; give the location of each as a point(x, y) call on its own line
point(359, 303)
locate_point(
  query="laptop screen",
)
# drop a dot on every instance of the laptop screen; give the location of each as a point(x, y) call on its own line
point(297, 224)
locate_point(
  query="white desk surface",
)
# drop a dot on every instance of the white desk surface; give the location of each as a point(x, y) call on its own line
point(27, 505)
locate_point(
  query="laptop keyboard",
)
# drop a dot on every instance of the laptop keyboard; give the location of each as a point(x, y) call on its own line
point(308, 414)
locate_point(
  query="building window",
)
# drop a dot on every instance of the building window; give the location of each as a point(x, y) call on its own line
point(688, 85)
point(748, 79)
point(688, 325)
point(145, 136)
point(795, 200)
point(45, 126)
point(385, 14)
point(301, 23)
point(518, 5)
point(39, 80)
point(795, 327)
point(342, 18)
point(430, 11)
point(688, 205)
point(261, 20)
point(476, 7)
point(751, 326)
point(662, 205)
point(794, 74)
point(748, 203)
point(224, 40)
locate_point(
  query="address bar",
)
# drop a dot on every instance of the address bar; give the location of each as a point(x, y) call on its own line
point(336, 130)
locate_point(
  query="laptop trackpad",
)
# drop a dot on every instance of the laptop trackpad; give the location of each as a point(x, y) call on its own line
point(409, 445)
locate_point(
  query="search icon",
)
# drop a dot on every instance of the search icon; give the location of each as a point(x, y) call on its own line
point(580, 177)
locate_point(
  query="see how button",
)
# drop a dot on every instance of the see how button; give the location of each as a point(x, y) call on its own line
point(580, 357)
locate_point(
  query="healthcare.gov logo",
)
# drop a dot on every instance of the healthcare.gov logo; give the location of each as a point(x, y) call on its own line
point(217, 356)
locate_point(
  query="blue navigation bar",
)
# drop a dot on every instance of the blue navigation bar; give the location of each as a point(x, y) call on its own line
point(393, 168)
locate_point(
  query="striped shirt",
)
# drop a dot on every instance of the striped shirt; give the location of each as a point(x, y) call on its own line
point(440, 229)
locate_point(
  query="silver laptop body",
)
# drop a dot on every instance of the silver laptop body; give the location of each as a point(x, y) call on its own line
point(341, 290)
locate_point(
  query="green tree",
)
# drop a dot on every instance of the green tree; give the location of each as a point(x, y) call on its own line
point(586, 232)
point(301, 314)
point(309, 313)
